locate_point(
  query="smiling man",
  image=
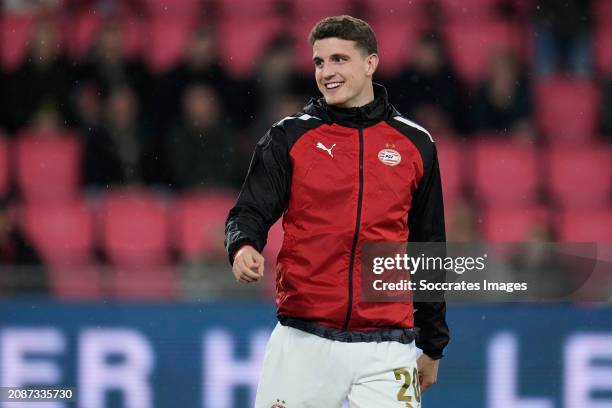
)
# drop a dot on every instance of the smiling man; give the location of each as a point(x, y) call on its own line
point(346, 170)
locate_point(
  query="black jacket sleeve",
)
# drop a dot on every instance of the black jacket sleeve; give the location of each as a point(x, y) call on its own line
point(264, 194)
point(426, 224)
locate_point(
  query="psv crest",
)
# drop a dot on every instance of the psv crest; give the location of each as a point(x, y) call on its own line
point(278, 404)
point(389, 156)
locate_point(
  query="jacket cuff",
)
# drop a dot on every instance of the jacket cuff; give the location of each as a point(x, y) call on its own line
point(236, 247)
point(433, 354)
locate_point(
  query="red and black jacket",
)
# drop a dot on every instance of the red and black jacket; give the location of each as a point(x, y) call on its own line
point(340, 177)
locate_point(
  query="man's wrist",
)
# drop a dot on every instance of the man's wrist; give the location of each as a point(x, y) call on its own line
point(241, 245)
point(433, 355)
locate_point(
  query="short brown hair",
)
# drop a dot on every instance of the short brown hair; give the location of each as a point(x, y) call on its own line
point(347, 28)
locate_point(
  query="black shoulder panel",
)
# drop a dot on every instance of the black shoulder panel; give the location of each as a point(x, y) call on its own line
point(293, 127)
point(418, 135)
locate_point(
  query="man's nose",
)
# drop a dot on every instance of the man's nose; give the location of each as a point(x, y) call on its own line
point(327, 72)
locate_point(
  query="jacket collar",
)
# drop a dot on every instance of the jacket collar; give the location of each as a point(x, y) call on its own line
point(363, 116)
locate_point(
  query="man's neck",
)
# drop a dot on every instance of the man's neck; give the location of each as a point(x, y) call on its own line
point(363, 99)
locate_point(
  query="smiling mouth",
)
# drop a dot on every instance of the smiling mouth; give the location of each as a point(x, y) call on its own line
point(333, 85)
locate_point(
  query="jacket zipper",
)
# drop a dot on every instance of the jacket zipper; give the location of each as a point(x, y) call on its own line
point(356, 236)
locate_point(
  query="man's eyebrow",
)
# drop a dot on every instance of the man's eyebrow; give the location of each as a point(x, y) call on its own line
point(340, 56)
point(333, 56)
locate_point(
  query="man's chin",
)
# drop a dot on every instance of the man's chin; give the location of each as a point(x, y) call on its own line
point(334, 101)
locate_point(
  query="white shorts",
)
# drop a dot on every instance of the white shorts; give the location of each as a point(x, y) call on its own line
point(304, 370)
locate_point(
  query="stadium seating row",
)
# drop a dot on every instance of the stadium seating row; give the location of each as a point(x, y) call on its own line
point(575, 170)
point(44, 167)
point(246, 28)
point(135, 227)
point(505, 174)
point(139, 230)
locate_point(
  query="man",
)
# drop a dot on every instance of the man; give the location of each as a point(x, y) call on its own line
point(346, 170)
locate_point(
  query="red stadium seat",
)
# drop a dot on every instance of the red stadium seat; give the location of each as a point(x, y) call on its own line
point(63, 233)
point(469, 10)
point(396, 40)
point(15, 34)
point(567, 110)
point(394, 11)
point(472, 46)
point(450, 158)
point(512, 225)
point(168, 41)
point(135, 237)
point(4, 166)
point(174, 8)
point(314, 10)
point(80, 32)
point(247, 10)
point(603, 50)
point(241, 43)
point(199, 224)
point(581, 177)
point(154, 282)
point(133, 35)
point(48, 167)
point(586, 226)
point(505, 173)
point(134, 229)
point(303, 50)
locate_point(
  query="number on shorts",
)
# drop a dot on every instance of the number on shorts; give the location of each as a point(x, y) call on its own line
point(408, 381)
point(401, 394)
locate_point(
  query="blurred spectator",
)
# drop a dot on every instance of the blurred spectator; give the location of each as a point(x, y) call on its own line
point(280, 107)
point(117, 152)
point(503, 102)
point(563, 36)
point(30, 6)
point(276, 77)
point(107, 67)
point(20, 264)
point(46, 121)
point(462, 223)
point(105, 7)
point(88, 107)
point(201, 65)
point(428, 90)
point(200, 151)
point(606, 109)
point(43, 81)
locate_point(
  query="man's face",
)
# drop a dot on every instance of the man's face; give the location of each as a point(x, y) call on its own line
point(343, 72)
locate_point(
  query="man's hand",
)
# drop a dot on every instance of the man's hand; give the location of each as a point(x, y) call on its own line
point(428, 371)
point(248, 265)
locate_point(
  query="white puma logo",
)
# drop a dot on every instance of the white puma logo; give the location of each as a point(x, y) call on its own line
point(322, 146)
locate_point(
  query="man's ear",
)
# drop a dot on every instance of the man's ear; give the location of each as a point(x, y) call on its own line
point(372, 64)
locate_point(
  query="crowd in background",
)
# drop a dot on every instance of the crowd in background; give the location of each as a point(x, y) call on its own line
point(194, 124)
